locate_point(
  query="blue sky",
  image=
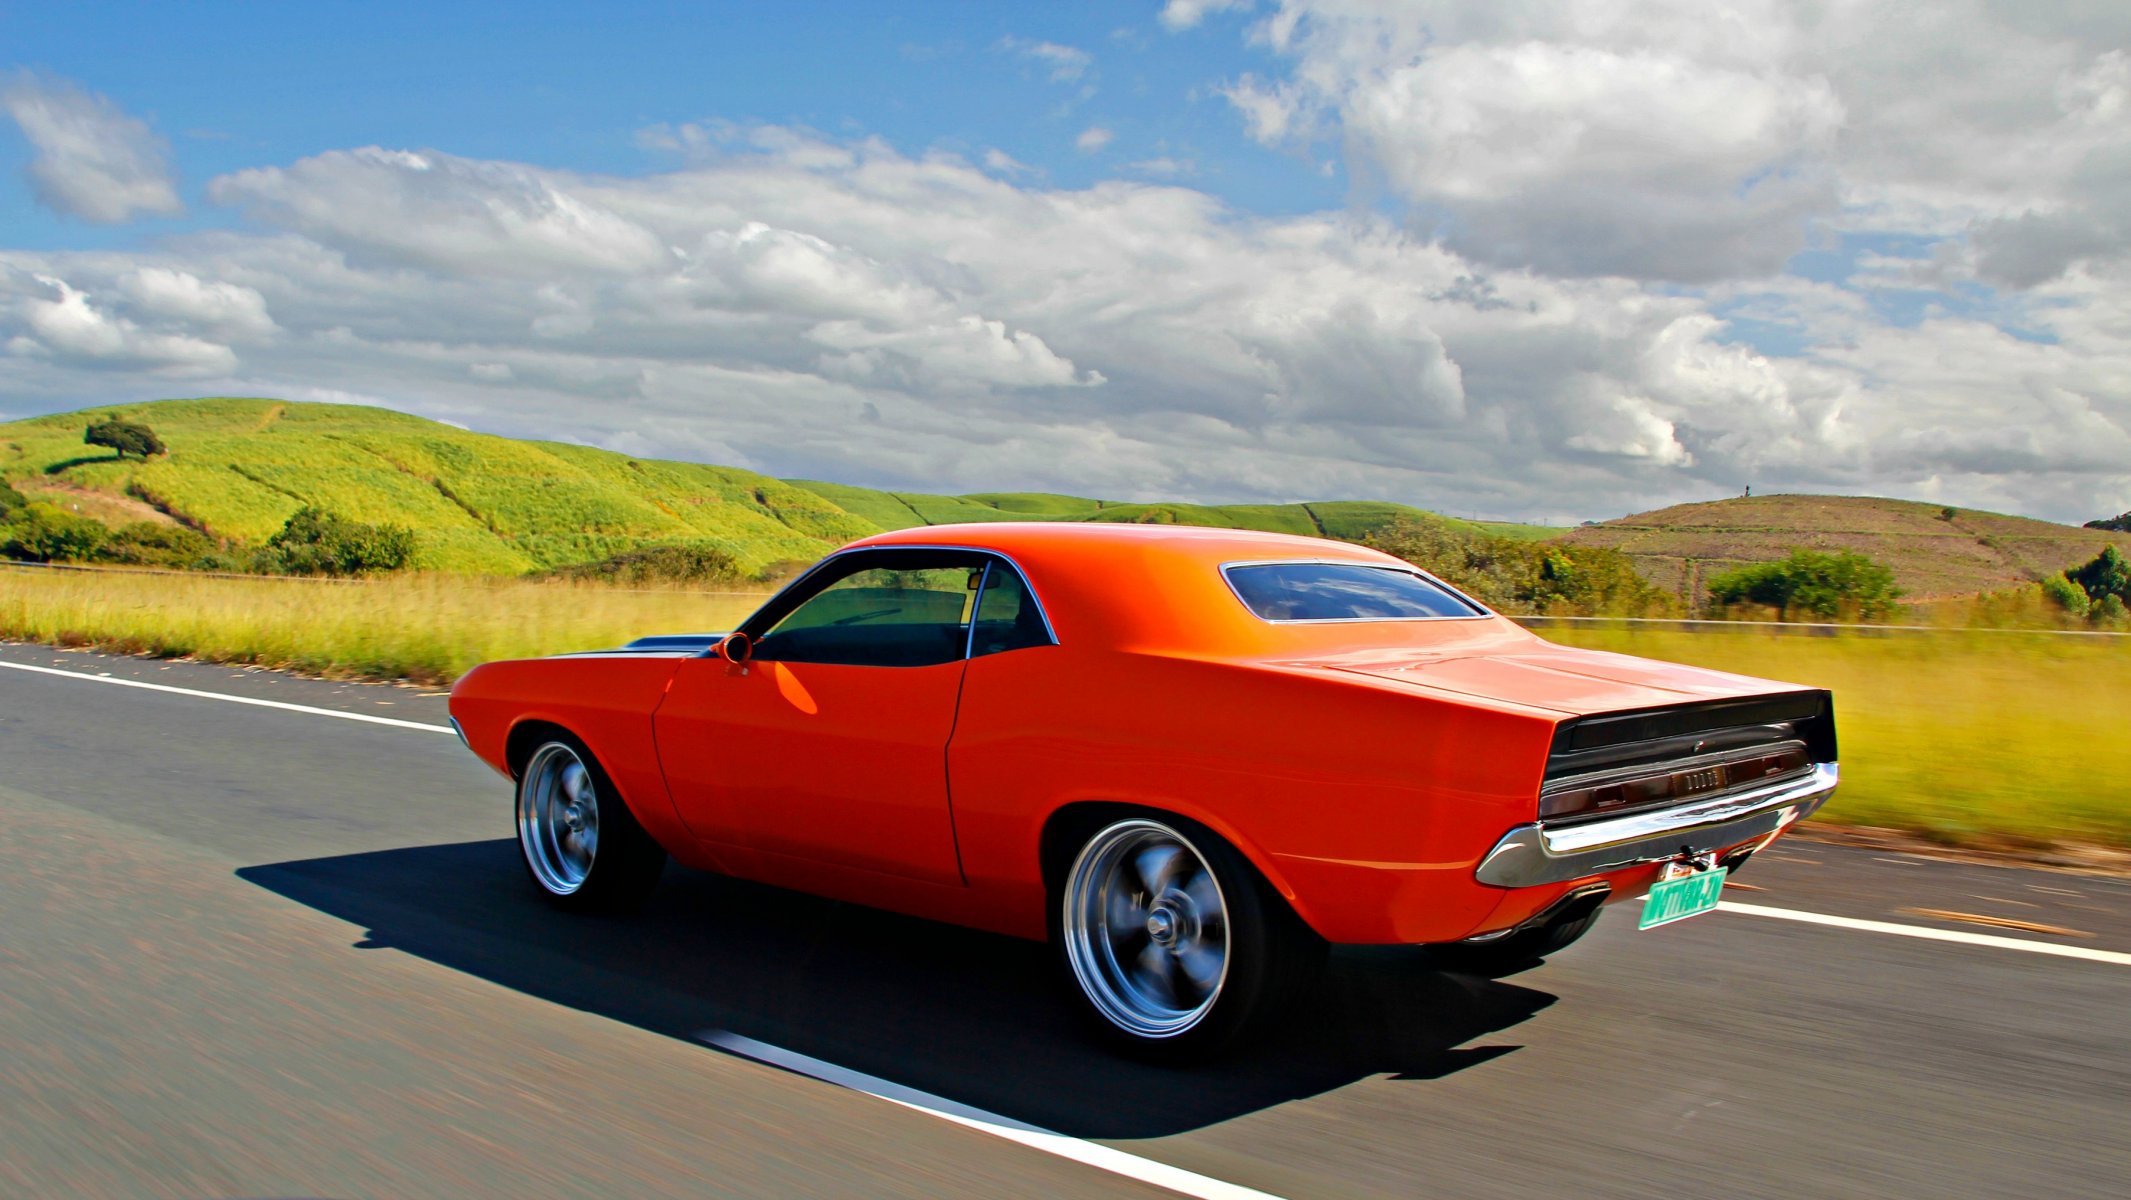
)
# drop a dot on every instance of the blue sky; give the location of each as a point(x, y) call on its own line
point(1519, 258)
point(570, 85)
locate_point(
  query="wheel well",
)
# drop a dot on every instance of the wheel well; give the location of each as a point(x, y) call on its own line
point(1067, 828)
point(525, 738)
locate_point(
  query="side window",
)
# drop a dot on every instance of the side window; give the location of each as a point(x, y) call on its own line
point(892, 609)
point(1007, 617)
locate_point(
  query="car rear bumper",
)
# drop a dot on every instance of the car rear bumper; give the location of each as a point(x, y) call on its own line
point(1533, 855)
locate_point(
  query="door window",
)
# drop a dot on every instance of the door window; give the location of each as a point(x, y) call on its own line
point(885, 609)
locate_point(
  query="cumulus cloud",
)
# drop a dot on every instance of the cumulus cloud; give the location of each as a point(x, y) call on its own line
point(1676, 141)
point(225, 307)
point(437, 210)
point(60, 322)
point(840, 309)
point(88, 158)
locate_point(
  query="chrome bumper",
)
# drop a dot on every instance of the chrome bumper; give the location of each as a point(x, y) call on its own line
point(1530, 855)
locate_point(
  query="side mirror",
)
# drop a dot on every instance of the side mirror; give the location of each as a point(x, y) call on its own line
point(736, 648)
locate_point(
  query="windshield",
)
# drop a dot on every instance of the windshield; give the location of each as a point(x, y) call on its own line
point(1317, 591)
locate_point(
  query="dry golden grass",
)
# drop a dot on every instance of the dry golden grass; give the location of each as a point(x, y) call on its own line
point(1963, 736)
point(426, 628)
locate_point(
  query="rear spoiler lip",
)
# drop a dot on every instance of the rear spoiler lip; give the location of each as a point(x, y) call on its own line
point(1601, 730)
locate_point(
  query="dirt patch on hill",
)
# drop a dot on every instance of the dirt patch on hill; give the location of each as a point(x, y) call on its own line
point(101, 506)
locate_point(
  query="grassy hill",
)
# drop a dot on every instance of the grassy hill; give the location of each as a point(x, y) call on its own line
point(238, 468)
point(1932, 556)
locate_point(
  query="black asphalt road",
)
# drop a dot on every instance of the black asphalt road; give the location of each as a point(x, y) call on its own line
point(251, 952)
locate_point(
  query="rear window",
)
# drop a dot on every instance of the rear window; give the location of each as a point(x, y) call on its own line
point(1313, 591)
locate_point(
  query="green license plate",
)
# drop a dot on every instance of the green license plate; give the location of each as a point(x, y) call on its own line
point(1677, 899)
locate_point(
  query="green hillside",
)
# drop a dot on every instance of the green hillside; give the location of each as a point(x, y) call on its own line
point(238, 468)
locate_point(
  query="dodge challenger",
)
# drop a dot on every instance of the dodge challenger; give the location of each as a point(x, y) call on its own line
point(1188, 758)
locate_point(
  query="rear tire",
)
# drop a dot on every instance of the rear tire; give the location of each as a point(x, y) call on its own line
point(1519, 950)
point(1174, 945)
point(580, 843)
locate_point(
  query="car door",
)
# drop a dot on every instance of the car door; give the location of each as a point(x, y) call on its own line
point(831, 743)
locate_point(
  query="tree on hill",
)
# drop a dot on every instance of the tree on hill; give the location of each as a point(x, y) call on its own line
point(11, 502)
point(1811, 583)
point(125, 437)
point(317, 542)
point(2105, 585)
point(2121, 523)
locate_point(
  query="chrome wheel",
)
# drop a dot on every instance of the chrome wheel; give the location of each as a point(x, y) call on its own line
point(558, 819)
point(1146, 929)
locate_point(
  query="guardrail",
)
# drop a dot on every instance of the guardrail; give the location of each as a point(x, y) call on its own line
point(1798, 628)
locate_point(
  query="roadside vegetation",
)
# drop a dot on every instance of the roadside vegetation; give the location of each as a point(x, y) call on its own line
point(424, 628)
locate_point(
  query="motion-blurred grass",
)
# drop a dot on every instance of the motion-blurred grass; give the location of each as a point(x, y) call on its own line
point(1963, 736)
point(424, 628)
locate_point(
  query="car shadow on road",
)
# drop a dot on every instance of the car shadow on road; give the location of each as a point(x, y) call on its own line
point(977, 1018)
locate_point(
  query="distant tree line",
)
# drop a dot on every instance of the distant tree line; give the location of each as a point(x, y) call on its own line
point(2121, 523)
point(1515, 576)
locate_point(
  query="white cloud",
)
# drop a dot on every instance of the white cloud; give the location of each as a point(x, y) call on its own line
point(1679, 141)
point(60, 322)
point(1092, 139)
point(1064, 63)
point(1183, 14)
point(438, 211)
point(89, 159)
point(233, 309)
point(1164, 167)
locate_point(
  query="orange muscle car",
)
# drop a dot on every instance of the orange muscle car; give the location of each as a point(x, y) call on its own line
point(1190, 758)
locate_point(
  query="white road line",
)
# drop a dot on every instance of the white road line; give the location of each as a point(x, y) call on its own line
point(178, 691)
point(1094, 1154)
point(1928, 934)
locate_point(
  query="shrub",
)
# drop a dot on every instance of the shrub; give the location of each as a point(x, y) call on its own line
point(2111, 610)
point(676, 562)
point(1812, 583)
point(1518, 576)
point(125, 437)
point(2065, 594)
point(11, 502)
point(316, 542)
point(45, 533)
point(148, 544)
point(2109, 574)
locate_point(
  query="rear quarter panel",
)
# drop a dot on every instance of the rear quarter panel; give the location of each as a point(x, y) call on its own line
point(606, 701)
point(1367, 804)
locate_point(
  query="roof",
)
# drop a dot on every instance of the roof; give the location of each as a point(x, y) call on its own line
point(1160, 586)
point(1092, 539)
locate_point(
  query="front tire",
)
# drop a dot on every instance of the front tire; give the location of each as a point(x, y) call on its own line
point(1175, 946)
point(581, 845)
